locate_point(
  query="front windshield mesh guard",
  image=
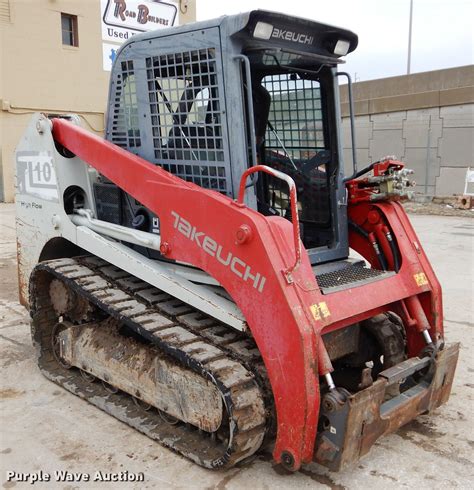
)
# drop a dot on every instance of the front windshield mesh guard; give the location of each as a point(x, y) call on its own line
point(296, 144)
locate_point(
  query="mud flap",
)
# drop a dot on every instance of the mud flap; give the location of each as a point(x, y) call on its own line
point(349, 432)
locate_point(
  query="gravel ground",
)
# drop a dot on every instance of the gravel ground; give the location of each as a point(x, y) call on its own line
point(44, 428)
point(437, 209)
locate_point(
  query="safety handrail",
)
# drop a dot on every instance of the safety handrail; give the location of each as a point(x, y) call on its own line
point(293, 205)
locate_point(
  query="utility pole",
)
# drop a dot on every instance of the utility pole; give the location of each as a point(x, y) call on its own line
point(409, 37)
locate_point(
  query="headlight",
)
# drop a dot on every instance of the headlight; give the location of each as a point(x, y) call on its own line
point(263, 30)
point(342, 47)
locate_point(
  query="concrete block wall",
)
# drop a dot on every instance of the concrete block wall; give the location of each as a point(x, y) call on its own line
point(438, 143)
point(424, 119)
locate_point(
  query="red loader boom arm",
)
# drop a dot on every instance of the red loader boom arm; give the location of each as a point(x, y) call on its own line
point(257, 260)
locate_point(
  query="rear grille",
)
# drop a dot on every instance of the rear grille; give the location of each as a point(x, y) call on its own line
point(354, 275)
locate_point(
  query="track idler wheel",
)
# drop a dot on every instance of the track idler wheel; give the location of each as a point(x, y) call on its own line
point(66, 302)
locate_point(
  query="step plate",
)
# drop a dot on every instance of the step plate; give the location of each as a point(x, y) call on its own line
point(353, 276)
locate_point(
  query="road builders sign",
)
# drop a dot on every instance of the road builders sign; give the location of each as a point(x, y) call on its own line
point(121, 19)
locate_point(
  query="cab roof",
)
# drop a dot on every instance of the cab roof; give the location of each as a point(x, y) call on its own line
point(262, 29)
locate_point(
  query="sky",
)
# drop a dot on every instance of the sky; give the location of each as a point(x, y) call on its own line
point(442, 36)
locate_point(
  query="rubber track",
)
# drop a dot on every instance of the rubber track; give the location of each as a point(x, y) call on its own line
point(193, 339)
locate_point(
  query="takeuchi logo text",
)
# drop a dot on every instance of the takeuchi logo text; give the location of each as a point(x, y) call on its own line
point(225, 257)
point(141, 14)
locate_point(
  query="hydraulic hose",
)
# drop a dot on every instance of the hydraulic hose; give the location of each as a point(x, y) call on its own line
point(373, 241)
point(393, 248)
point(358, 229)
point(378, 252)
point(360, 172)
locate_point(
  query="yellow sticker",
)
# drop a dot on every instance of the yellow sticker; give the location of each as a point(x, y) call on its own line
point(315, 312)
point(323, 307)
point(420, 279)
point(319, 310)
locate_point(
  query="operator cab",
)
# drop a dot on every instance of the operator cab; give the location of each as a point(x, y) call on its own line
point(207, 101)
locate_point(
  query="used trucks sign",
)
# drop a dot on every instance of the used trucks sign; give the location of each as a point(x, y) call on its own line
point(121, 19)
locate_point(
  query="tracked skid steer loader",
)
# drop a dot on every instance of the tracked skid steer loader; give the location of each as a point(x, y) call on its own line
point(190, 273)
